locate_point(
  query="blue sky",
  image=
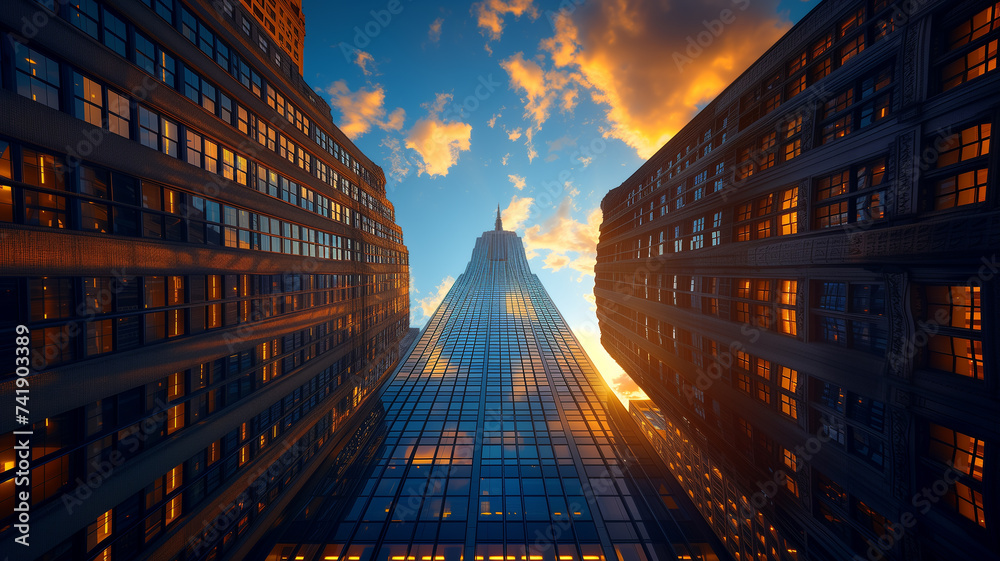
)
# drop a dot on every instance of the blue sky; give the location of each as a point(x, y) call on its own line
point(539, 106)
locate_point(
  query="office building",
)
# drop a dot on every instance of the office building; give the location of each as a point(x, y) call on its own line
point(210, 272)
point(496, 439)
point(803, 280)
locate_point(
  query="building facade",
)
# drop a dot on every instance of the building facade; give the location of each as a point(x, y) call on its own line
point(803, 280)
point(202, 278)
point(496, 439)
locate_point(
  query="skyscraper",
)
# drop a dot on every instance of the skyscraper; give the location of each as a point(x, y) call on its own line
point(803, 279)
point(204, 272)
point(496, 439)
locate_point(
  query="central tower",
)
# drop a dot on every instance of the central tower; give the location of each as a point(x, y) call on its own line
point(498, 440)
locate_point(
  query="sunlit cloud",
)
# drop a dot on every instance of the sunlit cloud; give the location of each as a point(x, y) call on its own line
point(434, 32)
point(363, 60)
point(567, 242)
point(529, 137)
point(493, 119)
point(646, 103)
point(438, 143)
point(516, 213)
point(514, 134)
point(518, 181)
point(585, 160)
point(429, 304)
point(363, 109)
point(490, 14)
point(503, 161)
point(540, 89)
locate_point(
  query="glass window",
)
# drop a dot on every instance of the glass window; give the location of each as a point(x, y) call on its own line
point(38, 77)
point(89, 100)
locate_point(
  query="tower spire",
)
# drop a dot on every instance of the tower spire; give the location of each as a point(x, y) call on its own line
point(499, 222)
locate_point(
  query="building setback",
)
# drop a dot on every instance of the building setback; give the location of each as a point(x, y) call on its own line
point(496, 439)
point(803, 280)
point(209, 272)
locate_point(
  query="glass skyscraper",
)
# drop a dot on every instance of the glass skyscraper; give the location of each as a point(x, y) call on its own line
point(496, 440)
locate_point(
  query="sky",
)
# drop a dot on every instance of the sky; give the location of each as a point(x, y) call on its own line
point(539, 106)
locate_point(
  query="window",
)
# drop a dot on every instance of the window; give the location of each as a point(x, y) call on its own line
point(88, 100)
point(85, 15)
point(852, 315)
point(158, 133)
point(852, 47)
point(195, 148)
point(38, 78)
point(852, 22)
point(762, 218)
point(199, 90)
point(99, 530)
point(858, 106)
point(853, 195)
point(115, 33)
point(966, 454)
point(964, 157)
point(957, 345)
point(119, 114)
point(972, 48)
point(757, 302)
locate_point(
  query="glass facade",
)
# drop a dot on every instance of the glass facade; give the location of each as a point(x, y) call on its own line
point(500, 441)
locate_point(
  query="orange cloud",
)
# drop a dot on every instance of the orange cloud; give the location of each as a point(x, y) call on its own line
point(434, 32)
point(541, 88)
point(516, 213)
point(490, 14)
point(562, 235)
point(606, 47)
point(518, 181)
point(363, 59)
point(362, 109)
point(438, 143)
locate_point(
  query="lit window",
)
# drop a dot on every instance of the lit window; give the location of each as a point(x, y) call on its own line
point(976, 56)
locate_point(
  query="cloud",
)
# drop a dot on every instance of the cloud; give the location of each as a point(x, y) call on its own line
point(434, 32)
point(363, 59)
point(428, 304)
point(541, 89)
point(438, 144)
point(490, 14)
point(606, 45)
point(517, 180)
point(513, 135)
point(398, 165)
point(506, 157)
point(362, 109)
point(493, 119)
point(529, 135)
point(516, 213)
point(567, 241)
point(585, 160)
